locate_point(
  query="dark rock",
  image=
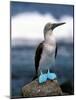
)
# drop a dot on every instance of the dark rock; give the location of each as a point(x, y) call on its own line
point(34, 89)
point(68, 88)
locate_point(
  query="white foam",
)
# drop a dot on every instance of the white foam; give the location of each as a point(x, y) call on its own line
point(30, 26)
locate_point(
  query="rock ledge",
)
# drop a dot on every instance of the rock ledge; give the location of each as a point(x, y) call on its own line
point(34, 89)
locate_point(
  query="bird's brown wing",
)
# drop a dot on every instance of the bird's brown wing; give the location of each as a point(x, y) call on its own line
point(38, 56)
point(56, 50)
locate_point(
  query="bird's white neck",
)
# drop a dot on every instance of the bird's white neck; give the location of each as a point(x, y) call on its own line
point(50, 38)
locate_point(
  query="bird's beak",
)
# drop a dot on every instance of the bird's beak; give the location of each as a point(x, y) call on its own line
point(57, 24)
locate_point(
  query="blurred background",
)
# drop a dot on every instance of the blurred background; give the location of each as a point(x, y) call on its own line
point(27, 24)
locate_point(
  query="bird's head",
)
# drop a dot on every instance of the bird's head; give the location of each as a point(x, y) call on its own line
point(49, 27)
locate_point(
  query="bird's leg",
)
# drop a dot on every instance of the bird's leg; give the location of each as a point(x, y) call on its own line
point(41, 72)
point(48, 70)
point(51, 76)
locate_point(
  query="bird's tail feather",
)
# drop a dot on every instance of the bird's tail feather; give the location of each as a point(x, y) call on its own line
point(34, 77)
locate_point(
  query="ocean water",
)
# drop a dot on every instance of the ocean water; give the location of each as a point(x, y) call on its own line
point(22, 65)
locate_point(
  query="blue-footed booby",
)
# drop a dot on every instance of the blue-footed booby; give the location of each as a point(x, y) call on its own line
point(47, 50)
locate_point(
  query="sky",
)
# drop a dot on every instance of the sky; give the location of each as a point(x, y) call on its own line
point(28, 20)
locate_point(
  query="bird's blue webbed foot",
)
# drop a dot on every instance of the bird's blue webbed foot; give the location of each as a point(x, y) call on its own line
point(42, 78)
point(51, 76)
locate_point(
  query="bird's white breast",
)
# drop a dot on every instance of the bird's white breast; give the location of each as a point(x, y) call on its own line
point(50, 44)
point(49, 48)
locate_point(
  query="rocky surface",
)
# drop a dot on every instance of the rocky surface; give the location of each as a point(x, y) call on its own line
point(49, 88)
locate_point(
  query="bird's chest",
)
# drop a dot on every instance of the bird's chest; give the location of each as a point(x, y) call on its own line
point(47, 58)
point(48, 54)
point(49, 49)
point(50, 45)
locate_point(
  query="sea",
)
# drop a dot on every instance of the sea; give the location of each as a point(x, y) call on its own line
point(23, 69)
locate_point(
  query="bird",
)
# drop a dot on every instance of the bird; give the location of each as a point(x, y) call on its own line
point(46, 51)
